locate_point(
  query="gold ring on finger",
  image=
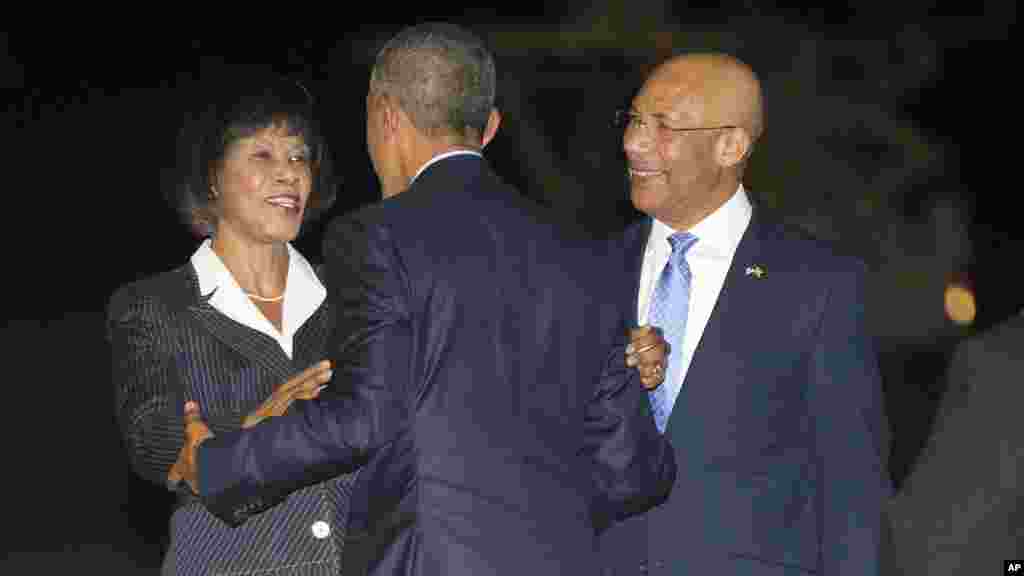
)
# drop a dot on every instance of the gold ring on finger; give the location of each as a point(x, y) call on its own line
point(645, 348)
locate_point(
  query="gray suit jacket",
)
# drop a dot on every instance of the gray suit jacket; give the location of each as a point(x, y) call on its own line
point(169, 344)
point(961, 511)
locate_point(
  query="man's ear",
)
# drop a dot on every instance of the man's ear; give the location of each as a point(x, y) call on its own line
point(493, 121)
point(390, 114)
point(732, 147)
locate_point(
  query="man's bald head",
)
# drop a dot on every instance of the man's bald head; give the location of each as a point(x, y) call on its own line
point(724, 90)
point(692, 127)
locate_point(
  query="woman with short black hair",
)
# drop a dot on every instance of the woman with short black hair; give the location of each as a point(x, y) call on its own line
point(240, 328)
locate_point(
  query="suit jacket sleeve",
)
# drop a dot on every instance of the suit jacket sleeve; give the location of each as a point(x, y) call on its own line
point(850, 431)
point(364, 407)
point(634, 465)
point(148, 392)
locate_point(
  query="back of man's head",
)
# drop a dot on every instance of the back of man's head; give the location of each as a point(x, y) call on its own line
point(443, 78)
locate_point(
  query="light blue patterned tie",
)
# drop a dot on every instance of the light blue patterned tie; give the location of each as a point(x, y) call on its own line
point(669, 306)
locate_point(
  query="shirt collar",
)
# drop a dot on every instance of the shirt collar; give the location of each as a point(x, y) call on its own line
point(718, 234)
point(442, 156)
point(304, 289)
point(213, 275)
point(304, 292)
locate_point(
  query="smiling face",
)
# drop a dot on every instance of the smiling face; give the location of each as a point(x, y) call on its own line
point(672, 174)
point(680, 176)
point(262, 185)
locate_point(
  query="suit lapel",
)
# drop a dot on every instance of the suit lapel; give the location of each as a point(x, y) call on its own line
point(311, 339)
point(254, 346)
point(736, 306)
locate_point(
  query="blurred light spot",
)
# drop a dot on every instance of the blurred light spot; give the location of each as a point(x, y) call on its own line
point(960, 305)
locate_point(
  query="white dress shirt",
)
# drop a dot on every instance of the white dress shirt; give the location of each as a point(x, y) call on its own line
point(709, 258)
point(303, 294)
point(442, 156)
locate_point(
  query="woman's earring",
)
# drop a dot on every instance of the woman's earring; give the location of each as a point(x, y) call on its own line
point(213, 193)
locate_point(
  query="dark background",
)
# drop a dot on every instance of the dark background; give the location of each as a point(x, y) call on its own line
point(883, 135)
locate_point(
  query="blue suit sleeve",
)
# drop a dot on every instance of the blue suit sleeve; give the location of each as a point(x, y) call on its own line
point(364, 408)
point(845, 399)
point(634, 465)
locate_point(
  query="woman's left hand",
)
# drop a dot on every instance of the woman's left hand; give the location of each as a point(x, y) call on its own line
point(647, 352)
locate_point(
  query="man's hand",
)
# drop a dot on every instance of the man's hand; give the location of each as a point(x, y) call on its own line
point(196, 432)
point(303, 386)
point(646, 351)
point(306, 385)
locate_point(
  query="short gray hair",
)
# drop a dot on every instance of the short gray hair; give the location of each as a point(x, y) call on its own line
point(442, 76)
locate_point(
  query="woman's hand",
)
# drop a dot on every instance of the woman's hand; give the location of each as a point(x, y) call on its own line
point(196, 432)
point(647, 351)
point(306, 385)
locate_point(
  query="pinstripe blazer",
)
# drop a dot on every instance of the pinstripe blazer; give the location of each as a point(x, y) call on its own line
point(168, 344)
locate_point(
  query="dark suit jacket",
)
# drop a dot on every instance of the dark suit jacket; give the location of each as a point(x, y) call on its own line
point(479, 363)
point(778, 429)
point(169, 344)
point(961, 511)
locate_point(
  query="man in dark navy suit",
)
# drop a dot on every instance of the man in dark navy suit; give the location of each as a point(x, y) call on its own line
point(772, 398)
point(479, 357)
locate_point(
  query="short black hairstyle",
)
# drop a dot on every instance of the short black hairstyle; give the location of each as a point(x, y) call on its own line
point(234, 103)
point(443, 77)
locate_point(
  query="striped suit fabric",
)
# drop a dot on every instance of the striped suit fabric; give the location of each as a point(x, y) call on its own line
point(169, 344)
